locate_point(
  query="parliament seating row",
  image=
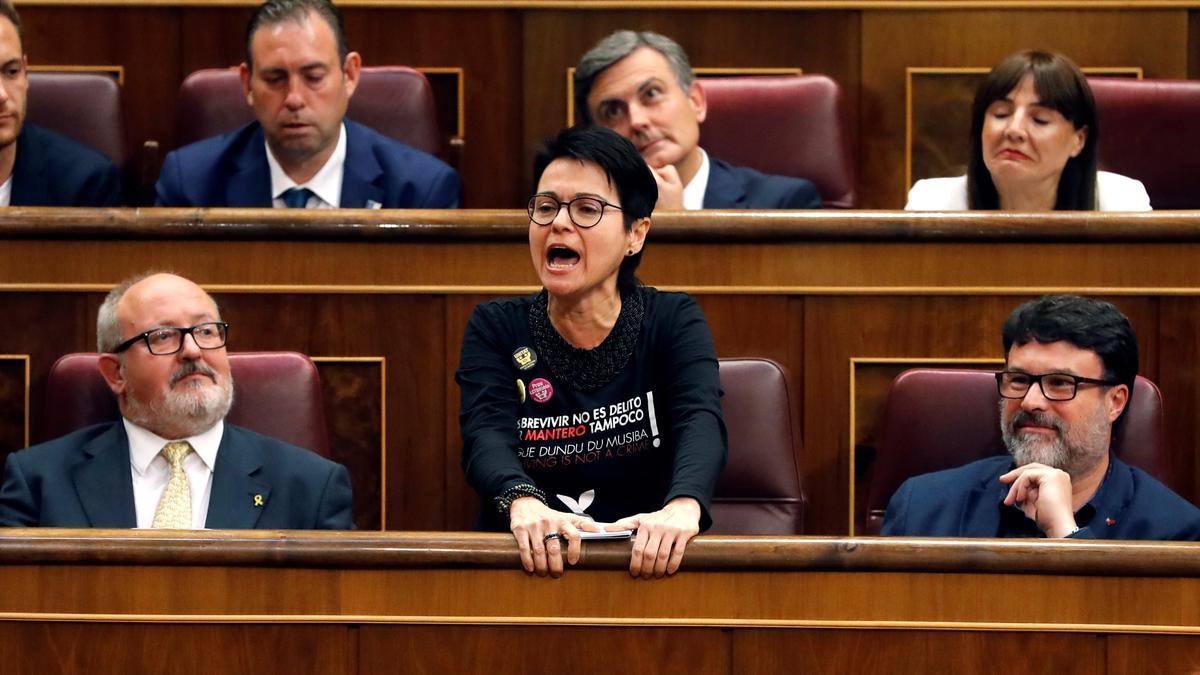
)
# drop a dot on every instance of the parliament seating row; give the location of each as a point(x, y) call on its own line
point(934, 419)
point(790, 125)
point(279, 394)
point(745, 116)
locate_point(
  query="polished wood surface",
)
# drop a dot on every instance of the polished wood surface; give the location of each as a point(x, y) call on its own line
point(354, 602)
point(666, 4)
point(814, 291)
point(481, 550)
point(514, 56)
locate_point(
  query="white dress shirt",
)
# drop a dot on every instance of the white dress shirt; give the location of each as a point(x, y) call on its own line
point(151, 471)
point(693, 192)
point(1114, 192)
point(326, 185)
point(6, 192)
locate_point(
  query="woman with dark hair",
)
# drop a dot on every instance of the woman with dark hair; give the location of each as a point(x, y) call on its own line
point(1033, 146)
point(593, 404)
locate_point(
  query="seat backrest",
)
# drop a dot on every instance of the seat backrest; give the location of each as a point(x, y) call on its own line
point(790, 125)
point(1148, 131)
point(760, 491)
point(396, 101)
point(85, 107)
point(937, 419)
point(275, 393)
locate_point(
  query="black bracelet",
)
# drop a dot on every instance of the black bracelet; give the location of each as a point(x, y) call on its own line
point(505, 499)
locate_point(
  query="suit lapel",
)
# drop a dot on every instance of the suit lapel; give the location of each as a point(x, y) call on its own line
point(360, 172)
point(30, 186)
point(724, 190)
point(250, 184)
point(980, 515)
point(103, 480)
point(238, 495)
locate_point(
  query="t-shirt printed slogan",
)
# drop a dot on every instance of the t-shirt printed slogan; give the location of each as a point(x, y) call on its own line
point(612, 431)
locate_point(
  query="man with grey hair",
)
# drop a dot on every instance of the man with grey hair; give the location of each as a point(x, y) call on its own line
point(641, 85)
point(171, 461)
point(1070, 367)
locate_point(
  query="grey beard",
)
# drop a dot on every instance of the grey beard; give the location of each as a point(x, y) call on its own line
point(1075, 449)
point(191, 411)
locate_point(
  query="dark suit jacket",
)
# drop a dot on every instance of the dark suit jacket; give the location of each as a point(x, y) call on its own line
point(53, 170)
point(232, 170)
point(83, 480)
point(736, 187)
point(968, 502)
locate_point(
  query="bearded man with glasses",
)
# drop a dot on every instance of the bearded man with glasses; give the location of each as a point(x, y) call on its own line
point(1069, 370)
point(171, 462)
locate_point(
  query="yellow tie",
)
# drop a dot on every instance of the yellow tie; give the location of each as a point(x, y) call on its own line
point(174, 510)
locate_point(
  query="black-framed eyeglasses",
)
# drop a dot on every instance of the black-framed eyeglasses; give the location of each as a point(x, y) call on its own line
point(1055, 386)
point(583, 211)
point(169, 339)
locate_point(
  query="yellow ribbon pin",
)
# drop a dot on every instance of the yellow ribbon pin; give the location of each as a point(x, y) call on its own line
point(258, 500)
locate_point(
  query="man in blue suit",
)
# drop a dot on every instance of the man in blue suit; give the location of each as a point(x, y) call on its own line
point(302, 152)
point(171, 461)
point(642, 86)
point(37, 166)
point(1070, 367)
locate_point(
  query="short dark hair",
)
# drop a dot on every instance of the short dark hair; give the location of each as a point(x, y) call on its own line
point(1087, 323)
point(8, 11)
point(1059, 85)
point(617, 46)
point(625, 168)
point(274, 12)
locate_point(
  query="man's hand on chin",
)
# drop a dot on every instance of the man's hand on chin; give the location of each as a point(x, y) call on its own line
point(670, 188)
point(1044, 494)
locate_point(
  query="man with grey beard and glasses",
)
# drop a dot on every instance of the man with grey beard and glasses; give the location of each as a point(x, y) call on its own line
point(171, 461)
point(1070, 365)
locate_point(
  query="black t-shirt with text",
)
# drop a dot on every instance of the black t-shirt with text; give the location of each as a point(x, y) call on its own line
point(650, 434)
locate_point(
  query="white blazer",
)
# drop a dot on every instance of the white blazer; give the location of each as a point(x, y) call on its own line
point(1115, 193)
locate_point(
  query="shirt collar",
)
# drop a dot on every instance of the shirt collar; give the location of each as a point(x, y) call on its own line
point(326, 184)
point(144, 445)
point(693, 192)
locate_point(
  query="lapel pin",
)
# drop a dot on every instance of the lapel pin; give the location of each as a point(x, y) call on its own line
point(258, 500)
point(1110, 521)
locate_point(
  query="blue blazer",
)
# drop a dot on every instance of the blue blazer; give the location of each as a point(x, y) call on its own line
point(736, 187)
point(83, 480)
point(967, 502)
point(231, 170)
point(53, 170)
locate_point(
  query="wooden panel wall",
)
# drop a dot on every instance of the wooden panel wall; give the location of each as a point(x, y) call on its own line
point(515, 60)
point(271, 602)
point(813, 306)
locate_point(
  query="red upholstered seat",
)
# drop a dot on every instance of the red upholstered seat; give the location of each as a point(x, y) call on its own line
point(938, 419)
point(85, 107)
point(1148, 131)
point(759, 491)
point(275, 393)
point(790, 125)
point(396, 101)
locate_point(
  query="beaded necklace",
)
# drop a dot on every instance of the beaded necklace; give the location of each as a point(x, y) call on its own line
point(588, 369)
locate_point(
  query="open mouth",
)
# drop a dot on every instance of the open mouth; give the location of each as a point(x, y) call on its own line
point(561, 257)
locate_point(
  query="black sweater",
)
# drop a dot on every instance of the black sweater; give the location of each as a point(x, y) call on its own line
point(651, 434)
